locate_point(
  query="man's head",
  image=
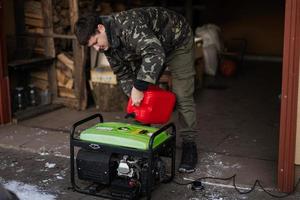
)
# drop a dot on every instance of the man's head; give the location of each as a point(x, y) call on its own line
point(90, 31)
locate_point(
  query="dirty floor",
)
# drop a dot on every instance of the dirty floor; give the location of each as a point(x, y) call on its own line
point(238, 126)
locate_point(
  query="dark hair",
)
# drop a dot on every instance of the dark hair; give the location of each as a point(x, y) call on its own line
point(86, 26)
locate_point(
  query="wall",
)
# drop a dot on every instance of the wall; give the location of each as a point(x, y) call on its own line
point(297, 153)
point(5, 112)
point(9, 22)
point(261, 23)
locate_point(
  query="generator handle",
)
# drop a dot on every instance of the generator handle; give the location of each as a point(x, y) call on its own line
point(170, 125)
point(74, 126)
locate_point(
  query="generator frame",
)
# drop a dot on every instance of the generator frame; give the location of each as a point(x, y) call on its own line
point(168, 144)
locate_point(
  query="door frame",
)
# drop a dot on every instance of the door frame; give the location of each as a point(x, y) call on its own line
point(289, 100)
point(289, 97)
point(5, 103)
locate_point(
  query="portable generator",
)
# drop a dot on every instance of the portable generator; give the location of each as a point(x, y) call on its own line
point(120, 160)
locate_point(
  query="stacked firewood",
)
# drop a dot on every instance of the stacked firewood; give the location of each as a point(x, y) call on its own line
point(34, 22)
point(85, 6)
point(64, 74)
point(61, 24)
point(33, 16)
point(61, 17)
point(39, 78)
point(65, 61)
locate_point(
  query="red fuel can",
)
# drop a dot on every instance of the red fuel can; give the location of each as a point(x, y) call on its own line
point(156, 107)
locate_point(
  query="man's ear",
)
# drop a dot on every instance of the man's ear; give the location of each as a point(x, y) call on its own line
point(101, 28)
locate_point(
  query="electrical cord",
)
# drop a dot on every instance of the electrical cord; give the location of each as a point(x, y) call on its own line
point(256, 183)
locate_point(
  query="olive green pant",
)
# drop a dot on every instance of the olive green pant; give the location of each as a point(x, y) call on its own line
point(181, 65)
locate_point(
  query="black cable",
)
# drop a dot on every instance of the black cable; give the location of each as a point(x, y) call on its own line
point(202, 178)
point(256, 183)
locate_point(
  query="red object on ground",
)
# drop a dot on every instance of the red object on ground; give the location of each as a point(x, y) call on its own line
point(156, 107)
point(228, 67)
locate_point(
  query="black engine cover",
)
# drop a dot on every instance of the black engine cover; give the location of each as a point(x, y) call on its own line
point(121, 188)
point(93, 166)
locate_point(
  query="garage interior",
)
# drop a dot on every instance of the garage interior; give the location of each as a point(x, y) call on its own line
point(238, 115)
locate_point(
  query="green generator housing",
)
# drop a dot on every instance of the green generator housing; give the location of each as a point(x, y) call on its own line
point(119, 160)
point(123, 134)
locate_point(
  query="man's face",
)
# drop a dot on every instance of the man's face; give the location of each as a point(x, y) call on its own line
point(99, 40)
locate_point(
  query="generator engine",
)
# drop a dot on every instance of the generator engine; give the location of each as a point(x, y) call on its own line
point(126, 176)
point(128, 168)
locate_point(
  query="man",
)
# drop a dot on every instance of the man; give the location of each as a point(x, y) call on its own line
point(138, 44)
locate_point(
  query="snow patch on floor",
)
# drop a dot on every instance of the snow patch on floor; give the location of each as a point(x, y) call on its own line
point(27, 192)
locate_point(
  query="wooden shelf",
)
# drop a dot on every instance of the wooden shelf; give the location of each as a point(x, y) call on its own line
point(47, 34)
point(30, 63)
point(34, 111)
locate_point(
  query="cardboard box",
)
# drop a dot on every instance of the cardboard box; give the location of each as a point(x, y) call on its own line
point(103, 75)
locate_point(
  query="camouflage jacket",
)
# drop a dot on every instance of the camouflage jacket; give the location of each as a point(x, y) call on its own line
point(140, 40)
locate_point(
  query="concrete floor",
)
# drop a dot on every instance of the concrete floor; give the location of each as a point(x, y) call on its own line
point(239, 126)
point(238, 129)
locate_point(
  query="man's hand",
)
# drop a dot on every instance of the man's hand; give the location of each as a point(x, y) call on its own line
point(136, 96)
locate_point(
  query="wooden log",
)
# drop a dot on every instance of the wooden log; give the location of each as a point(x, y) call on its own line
point(64, 81)
point(39, 50)
point(65, 5)
point(65, 13)
point(60, 84)
point(58, 8)
point(33, 7)
point(113, 100)
point(59, 30)
point(33, 15)
point(34, 30)
point(61, 79)
point(40, 42)
point(39, 83)
point(66, 61)
point(69, 84)
point(64, 22)
point(65, 92)
point(34, 22)
point(56, 19)
point(42, 75)
point(64, 69)
point(60, 65)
